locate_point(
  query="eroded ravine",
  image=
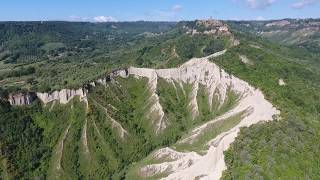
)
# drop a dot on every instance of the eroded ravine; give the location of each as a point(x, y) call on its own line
point(252, 104)
point(208, 139)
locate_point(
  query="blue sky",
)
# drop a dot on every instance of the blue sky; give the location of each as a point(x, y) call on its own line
point(156, 10)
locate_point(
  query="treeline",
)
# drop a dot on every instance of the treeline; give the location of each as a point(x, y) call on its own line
point(22, 71)
point(21, 140)
point(25, 39)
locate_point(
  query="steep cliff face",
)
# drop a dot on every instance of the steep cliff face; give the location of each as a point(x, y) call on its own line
point(63, 96)
point(197, 71)
point(21, 98)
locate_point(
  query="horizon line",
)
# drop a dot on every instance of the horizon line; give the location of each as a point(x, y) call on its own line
point(95, 22)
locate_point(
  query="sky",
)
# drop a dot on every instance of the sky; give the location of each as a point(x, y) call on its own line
point(156, 10)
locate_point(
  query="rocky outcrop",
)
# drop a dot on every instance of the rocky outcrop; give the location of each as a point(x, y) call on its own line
point(278, 23)
point(63, 96)
point(196, 71)
point(208, 27)
point(21, 99)
point(210, 165)
point(281, 82)
point(117, 72)
point(245, 59)
point(185, 160)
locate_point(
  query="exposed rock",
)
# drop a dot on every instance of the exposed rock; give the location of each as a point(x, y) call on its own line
point(118, 72)
point(156, 110)
point(314, 23)
point(255, 46)
point(189, 165)
point(305, 32)
point(193, 104)
point(245, 59)
point(209, 27)
point(57, 155)
point(183, 160)
point(278, 23)
point(84, 137)
point(209, 23)
point(21, 99)
point(234, 42)
point(196, 71)
point(63, 96)
point(281, 82)
point(115, 124)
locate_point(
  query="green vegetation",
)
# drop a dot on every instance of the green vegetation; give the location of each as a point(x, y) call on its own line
point(44, 56)
point(28, 152)
point(199, 143)
point(72, 142)
point(115, 135)
point(302, 33)
point(282, 149)
point(175, 99)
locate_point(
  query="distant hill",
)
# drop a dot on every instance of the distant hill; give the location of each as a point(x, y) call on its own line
point(53, 55)
point(298, 32)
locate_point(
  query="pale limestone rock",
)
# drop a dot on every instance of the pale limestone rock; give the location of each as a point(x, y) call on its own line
point(190, 165)
point(63, 96)
point(21, 99)
point(281, 82)
point(245, 59)
point(280, 23)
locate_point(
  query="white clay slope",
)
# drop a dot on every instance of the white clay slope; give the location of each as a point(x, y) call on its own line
point(190, 165)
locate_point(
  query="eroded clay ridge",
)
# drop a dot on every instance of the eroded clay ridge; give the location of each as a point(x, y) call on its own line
point(197, 71)
point(200, 71)
point(63, 96)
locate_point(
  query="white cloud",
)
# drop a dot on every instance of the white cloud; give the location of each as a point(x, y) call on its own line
point(303, 3)
point(78, 18)
point(259, 4)
point(176, 8)
point(104, 19)
point(171, 14)
point(260, 18)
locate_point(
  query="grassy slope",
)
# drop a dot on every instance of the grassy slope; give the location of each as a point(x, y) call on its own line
point(286, 149)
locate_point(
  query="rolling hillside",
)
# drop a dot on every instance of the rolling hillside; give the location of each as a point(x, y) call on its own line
point(187, 100)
